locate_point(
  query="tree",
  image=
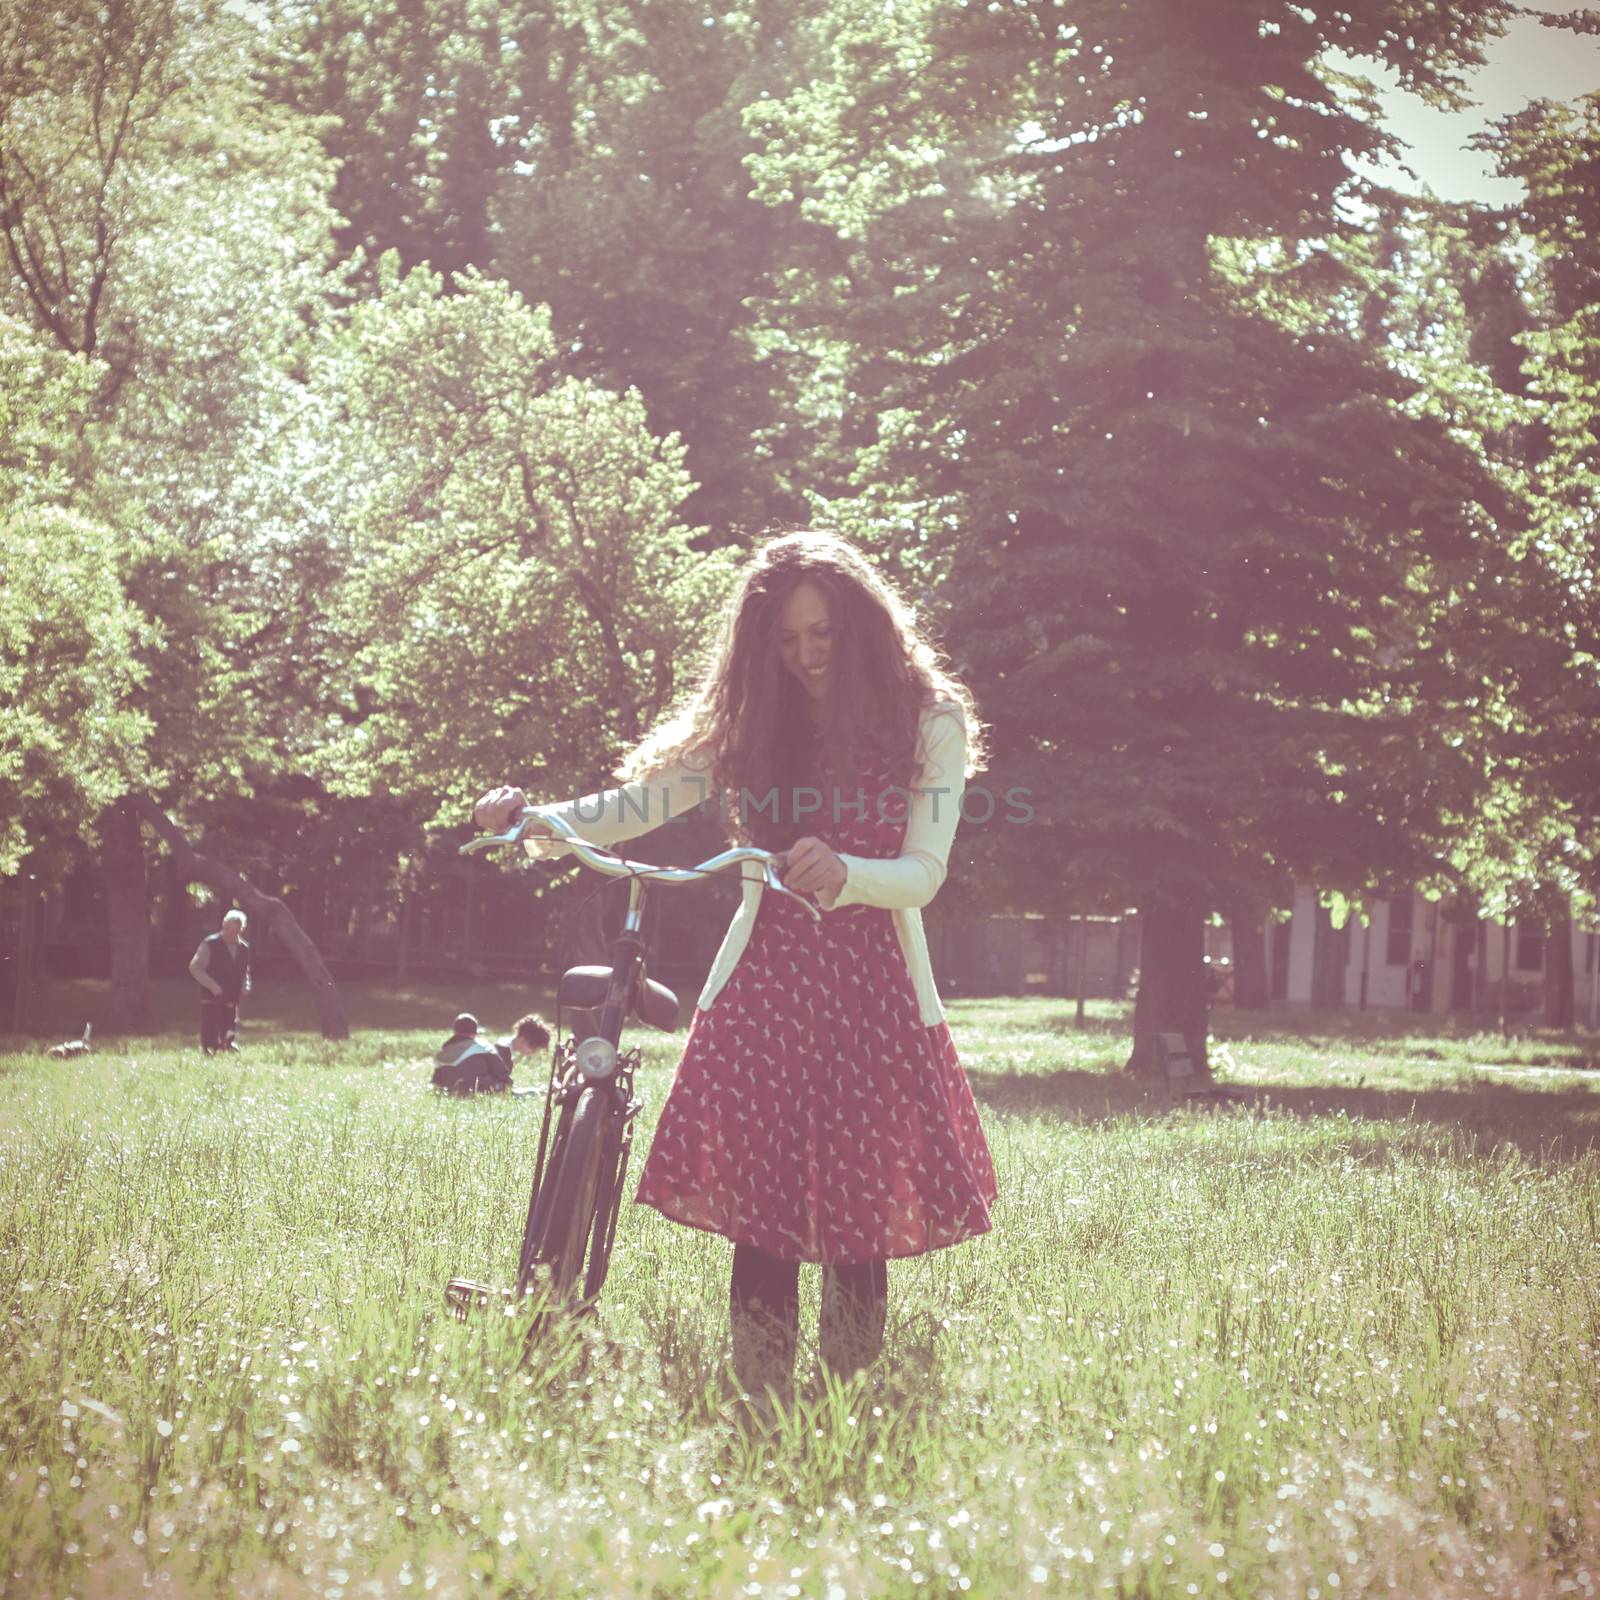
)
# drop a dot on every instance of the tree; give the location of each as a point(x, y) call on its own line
point(1179, 534)
point(1485, 311)
point(594, 158)
point(264, 910)
point(416, 105)
point(69, 739)
point(512, 550)
point(637, 226)
point(158, 218)
point(1555, 151)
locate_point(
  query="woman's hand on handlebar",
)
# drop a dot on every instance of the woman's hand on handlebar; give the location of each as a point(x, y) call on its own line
point(811, 867)
point(498, 809)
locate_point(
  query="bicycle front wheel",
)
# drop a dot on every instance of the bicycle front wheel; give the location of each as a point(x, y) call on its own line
point(575, 1183)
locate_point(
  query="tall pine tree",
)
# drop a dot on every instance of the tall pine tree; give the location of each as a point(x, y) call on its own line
point(1121, 411)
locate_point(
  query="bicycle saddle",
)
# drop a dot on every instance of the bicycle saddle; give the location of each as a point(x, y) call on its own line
point(584, 988)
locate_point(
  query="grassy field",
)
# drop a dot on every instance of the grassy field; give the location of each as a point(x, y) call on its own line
point(1336, 1339)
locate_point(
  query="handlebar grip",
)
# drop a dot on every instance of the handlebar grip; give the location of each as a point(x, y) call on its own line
point(560, 831)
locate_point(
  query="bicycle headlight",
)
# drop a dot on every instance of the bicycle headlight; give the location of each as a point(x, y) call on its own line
point(597, 1058)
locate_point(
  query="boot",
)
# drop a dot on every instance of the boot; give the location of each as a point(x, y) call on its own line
point(764, 1317)
point(855, 1305)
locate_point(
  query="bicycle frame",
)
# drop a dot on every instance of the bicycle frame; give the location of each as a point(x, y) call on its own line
point(620, 1109)
point(567, 1084)
point(572, 1216)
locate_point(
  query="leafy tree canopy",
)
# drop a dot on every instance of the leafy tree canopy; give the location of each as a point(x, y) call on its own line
point(512, 550)
point(70, 740)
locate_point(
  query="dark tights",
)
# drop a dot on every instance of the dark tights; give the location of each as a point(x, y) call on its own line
point(764, 1309)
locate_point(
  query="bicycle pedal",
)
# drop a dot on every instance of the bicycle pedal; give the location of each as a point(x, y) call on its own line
point(466, 1295)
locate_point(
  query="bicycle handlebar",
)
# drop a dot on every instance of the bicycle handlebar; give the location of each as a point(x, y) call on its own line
point(616, 866)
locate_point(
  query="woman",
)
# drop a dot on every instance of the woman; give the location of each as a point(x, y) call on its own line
point(819, 1112)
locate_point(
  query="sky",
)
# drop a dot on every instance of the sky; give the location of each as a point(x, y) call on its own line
point(1529, 63)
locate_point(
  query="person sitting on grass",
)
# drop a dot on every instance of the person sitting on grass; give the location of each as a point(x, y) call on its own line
point(466, 1064)
point(528, 1038)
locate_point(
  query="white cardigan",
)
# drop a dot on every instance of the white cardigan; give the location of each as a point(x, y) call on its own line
point(903, 884)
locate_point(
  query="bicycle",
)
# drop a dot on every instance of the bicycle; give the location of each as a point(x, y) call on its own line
point(576, 1198)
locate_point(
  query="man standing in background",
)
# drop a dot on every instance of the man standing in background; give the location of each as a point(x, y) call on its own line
point(221, 966)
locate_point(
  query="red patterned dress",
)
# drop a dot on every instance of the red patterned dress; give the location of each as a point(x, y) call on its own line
point(814, 1114)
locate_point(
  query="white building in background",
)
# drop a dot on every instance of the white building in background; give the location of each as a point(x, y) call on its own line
point(1412, 956)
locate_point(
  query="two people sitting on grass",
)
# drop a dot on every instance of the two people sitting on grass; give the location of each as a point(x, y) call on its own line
point(469, 1064)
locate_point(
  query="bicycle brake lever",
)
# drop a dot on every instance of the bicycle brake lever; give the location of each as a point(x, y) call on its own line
point(775, 882)
point(512, 835)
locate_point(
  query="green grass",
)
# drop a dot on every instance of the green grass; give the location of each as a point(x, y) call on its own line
point(1336, 1339)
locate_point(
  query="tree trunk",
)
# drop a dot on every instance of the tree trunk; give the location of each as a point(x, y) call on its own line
point(127, 913)
point(1505, 976)
point(589, 942)
point(1558, 995)
point(1252, 989)
point(1431, 998)
point(1172, 982)
point(1081, 975)
point(271, 913)
point(27, 941)
point(403, 953)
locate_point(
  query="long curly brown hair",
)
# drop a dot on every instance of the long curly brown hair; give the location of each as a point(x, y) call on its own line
point(747, 723)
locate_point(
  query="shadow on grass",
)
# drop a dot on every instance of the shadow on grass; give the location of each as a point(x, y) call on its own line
point(1414, 1034)
point(1543, 1124)
point(60, 1007)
